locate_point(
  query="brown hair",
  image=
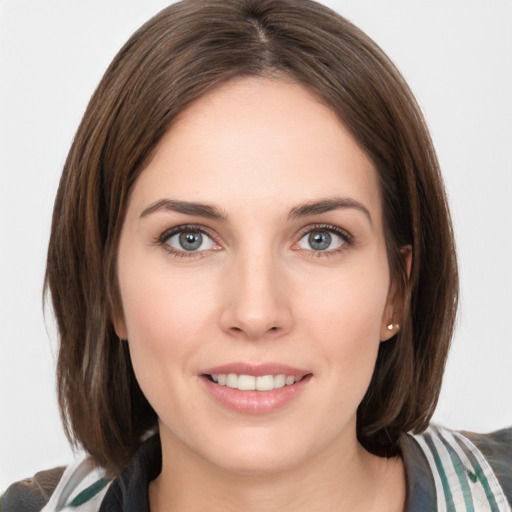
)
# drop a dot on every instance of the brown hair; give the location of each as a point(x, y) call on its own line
point(183, 52)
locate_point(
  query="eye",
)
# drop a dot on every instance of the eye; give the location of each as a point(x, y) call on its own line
point(189, 240)
point(323, 239)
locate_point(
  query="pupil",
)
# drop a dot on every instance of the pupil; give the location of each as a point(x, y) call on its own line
point(191, 241)
point(319, 240)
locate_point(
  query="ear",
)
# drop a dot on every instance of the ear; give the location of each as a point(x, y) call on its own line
point(120, 328)
point(119, 323)
point(393, 312)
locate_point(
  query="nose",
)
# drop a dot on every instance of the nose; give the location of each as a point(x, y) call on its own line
point(257, 303)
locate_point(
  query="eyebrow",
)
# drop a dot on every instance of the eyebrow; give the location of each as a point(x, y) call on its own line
point(185, 207)
point(327, 205)
point(211, 212)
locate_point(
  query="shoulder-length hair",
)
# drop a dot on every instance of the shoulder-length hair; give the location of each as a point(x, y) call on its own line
point(183, 52)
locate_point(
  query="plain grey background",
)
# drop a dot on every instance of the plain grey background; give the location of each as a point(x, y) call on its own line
point(455, 54)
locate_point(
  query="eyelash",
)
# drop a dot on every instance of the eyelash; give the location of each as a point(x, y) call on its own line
point(347, 238)
point(162, 239)
point(169, 233)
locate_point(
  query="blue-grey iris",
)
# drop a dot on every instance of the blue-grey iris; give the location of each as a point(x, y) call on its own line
point(191, 240)
point(319, 240)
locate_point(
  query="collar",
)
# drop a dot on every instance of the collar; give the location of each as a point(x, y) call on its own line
point(129, 491)
point(421, 490)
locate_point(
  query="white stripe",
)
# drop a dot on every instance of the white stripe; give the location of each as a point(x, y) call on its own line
point(441, 502)
point(77, 477)
point(477, 489)
point(495, 486)
point(451, 473)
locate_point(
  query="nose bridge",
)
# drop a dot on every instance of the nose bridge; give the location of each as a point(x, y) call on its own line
point(257, 304)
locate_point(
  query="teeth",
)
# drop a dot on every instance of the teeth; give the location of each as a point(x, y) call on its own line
point(265, 383)
point(232, 380)
point(290, 379)
point(279, 381)
point(246, 382)
point(250, 382)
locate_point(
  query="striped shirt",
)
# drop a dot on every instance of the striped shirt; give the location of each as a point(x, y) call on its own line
point(459, 472)
point(446, 471)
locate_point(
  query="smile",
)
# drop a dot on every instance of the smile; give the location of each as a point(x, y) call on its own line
point(255, 389)
point(253, 383)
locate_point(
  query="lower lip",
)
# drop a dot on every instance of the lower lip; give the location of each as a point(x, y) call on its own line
point(255, 402)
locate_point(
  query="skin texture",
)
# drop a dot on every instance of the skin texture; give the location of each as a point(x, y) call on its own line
point(257, 292)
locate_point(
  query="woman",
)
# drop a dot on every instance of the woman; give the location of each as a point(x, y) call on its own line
point(252, 255)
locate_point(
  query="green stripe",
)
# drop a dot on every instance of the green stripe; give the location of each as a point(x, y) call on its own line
point(88, 493)
point(481, 476)
point(460, 469)
point(440, 468)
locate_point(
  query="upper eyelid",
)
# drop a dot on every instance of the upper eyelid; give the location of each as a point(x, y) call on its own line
point(166, 234)
point(163, 239)
point(326, 227)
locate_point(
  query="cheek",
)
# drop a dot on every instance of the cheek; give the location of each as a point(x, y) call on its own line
point(158, 298)
point(165, 314)
point(346, 305)
point(344, 318)
point(167, 321)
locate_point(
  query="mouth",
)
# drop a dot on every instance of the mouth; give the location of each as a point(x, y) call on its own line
point(256, 389)
point(245, 382)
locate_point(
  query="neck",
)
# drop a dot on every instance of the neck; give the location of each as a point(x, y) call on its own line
point(339, 478)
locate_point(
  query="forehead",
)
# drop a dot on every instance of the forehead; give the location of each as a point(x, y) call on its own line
point(262, 142)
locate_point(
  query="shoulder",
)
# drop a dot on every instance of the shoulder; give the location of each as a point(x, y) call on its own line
point(468, 468)
point(80, 487)
point(496, 446)
point(33, 493)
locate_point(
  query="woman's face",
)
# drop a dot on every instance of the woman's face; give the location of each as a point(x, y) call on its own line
point(254, 279)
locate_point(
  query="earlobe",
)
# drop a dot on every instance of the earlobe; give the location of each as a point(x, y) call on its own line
point(389, 331)
point(394, 310)
point(120, 328)
point(117, 316)
point(119, 324)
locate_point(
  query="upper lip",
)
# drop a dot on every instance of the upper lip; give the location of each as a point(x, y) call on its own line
point(257, 370)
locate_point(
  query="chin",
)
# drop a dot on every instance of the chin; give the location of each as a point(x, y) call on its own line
point(256, 452)
point(263, 463)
